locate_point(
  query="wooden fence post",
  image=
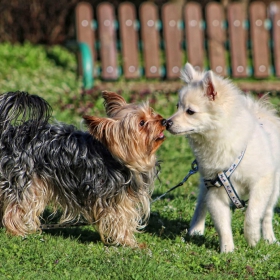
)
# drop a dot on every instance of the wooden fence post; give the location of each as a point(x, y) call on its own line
point(216, 37)
point(194, 35)
point(107, 37)
point(129, 40)
point(172, 34)
point(85, 32)
point(150, 39)
point(275, 17)
point(237, 40)
point(259, 37)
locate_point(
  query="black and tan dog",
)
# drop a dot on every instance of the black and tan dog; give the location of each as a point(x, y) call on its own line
point(105, 176)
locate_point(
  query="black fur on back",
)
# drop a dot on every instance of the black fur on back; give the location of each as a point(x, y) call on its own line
point(77, 166)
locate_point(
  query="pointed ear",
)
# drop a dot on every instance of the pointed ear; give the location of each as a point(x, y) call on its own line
point(112, 102)
point(99, 128)
point(188, 73)
point(209, 85)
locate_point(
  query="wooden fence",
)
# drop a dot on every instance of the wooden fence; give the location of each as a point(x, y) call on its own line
point(156, 44)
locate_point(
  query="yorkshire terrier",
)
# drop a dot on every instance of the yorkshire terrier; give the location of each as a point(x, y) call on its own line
point(105, 176)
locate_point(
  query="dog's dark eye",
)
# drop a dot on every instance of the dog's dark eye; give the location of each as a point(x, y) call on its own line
point(142, 123)
point(190, 112)
point(177, 106)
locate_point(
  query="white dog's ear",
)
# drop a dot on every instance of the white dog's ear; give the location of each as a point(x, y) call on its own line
point(209, 85)
point(188, 73)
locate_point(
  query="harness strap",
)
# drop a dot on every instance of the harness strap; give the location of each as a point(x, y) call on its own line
point(224, 180)
point(235, 164)
point(231, 191)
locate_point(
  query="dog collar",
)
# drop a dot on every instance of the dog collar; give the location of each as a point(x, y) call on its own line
point(223, 179)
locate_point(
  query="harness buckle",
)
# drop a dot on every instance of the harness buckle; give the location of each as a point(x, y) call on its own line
point(213, 183)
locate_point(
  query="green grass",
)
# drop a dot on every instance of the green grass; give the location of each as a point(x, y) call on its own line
point(166, 251)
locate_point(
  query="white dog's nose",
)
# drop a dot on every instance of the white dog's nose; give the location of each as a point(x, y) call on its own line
point(169, 124)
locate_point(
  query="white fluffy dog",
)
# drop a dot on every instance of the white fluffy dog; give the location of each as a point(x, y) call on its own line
point(221, 122)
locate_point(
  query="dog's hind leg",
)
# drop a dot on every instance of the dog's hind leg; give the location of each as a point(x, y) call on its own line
point(267, 228)
point(258, 211)
point(21, 211)
point(198, 221)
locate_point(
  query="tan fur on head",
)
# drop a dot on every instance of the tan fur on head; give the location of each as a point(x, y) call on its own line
point(135, 126)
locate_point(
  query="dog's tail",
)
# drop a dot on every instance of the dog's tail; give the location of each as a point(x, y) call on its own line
point(19, 107)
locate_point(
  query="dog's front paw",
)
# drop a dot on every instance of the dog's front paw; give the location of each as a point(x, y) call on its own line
point(196, 230)
point(227, 248)
point(270, 239)
point(268, 235)
point(252, 236)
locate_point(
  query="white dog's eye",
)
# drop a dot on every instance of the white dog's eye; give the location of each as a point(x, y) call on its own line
point(190, 112)
point(142, 123)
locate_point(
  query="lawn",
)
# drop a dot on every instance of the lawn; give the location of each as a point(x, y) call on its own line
point(165, 251)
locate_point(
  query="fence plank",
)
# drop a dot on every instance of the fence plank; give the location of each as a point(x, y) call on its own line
point(275, 14)
point(216, 37)
point(194, 35)
point(107, 36)
point(129, 40)
point(171, 17)
point(85, 34)
point(237, 39)
point(259, 37)
point(150, 39)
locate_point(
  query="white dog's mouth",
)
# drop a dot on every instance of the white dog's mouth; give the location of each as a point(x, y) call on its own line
point(181, 132)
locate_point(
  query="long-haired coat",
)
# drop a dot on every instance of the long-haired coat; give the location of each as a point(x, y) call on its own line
point(104, 176)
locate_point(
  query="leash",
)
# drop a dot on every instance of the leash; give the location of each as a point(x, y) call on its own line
point(194, 169)
point(223, 179)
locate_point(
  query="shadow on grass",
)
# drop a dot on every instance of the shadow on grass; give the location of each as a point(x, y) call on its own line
point(171, 229)
point(158, 225)
point(83, 234)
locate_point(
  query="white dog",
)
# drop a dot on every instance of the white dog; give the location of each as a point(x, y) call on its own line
point(223, 125)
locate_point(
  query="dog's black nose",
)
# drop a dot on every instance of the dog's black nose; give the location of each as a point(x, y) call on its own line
point(169, 123)
point(163, 122)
